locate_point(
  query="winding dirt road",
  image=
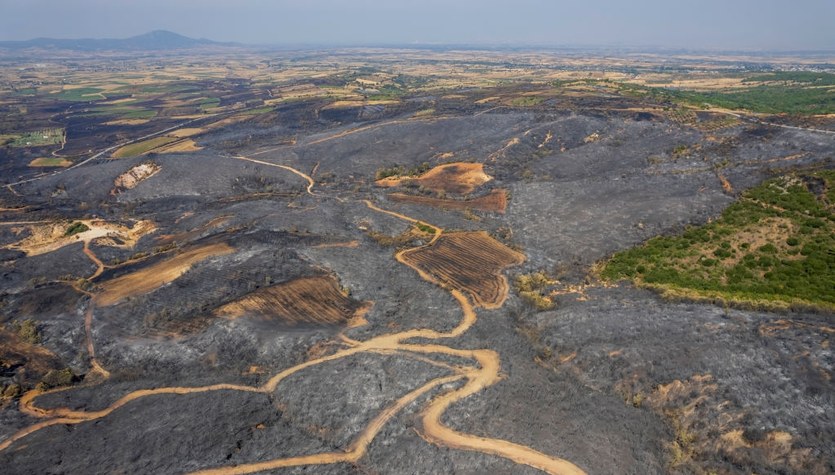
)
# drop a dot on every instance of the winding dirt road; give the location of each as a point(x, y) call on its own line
point(310, 182)
point(484, 371)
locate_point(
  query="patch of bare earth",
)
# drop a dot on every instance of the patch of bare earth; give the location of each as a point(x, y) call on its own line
point(49, 162)
point(134, 176)
point(48, 237)
point(459, 178)
point(150, 278)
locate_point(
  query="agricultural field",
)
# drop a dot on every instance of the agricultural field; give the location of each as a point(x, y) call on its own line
point(495, 201)
point(305, 301)
point(416, 260)
point(469, 262)
point(38, 138)
point(144, 147)
point(45, 162)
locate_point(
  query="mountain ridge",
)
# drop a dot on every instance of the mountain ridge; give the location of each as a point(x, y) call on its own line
point(153, 40)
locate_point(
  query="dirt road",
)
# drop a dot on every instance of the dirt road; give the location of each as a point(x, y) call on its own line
point(482, 372)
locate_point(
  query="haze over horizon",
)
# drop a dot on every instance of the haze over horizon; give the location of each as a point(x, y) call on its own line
point(708, 24)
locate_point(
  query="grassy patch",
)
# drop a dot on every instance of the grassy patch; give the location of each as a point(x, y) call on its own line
point(527, 101)
point(75, 228)
point(774, 248)
point(209, 103)
point(386, 93)
point(398, 170)
point(425, 228)
point(258, 111)
point(143, 147)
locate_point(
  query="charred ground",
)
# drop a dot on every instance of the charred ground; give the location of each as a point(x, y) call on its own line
point(280, 204)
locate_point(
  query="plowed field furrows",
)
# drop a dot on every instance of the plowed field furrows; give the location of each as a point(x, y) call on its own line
point(457, 178)
point(154, 276)
point(304, 301)
point(471, 262)
point(495, 201)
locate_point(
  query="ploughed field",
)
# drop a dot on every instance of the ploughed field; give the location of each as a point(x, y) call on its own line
point(347, 271)
point(471, 262)
point(308, 300)
point(495, 201)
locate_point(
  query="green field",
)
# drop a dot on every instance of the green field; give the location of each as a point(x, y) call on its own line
point(527, 101)
point(801, 77)
point(386, 93)
point(767, 99)
point(258, 111)
point(792, 97)
point(38, 138)
point(143, 147)
point(82, 94)
point(774, 248)
point(121, 112)
point(209, 103)
point(50, 162)
point(138, 114)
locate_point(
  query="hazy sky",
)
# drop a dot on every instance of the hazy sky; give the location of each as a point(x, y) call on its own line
point(728, 24)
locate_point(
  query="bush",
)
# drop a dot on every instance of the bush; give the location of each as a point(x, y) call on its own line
point(538, 301)
point(75, 228)
point(57, 378)
point(425, 228)
point(27, 330)
point(532, 288)
point(767, 249)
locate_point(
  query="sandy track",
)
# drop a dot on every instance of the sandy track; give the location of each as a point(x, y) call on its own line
point(483, 374)
point(310, 182)
point(99, 264)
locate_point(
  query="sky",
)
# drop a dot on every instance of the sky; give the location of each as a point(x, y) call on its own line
point(691, 24)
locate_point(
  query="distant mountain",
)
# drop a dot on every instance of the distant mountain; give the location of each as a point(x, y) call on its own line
point(155, 40)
